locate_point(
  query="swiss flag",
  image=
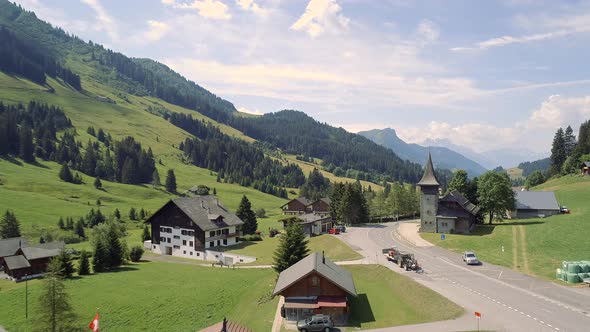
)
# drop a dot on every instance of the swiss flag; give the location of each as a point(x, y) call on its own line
point(94, 324)
point(477, 314)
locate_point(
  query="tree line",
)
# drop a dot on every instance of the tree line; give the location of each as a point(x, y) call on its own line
point(32, 61)
point(234, 160)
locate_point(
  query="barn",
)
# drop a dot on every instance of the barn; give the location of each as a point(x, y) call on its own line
point(535, 204)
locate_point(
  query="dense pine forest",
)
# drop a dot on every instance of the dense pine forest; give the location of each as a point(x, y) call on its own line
point(235, 161)
point(296, 133)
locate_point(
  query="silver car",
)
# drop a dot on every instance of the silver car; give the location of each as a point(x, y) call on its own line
point(315, 323)
point(470, 258)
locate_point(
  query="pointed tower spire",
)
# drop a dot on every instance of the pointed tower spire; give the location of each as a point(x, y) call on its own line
point(429, 178)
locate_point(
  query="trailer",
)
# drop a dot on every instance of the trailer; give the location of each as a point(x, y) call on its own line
point(404, 259)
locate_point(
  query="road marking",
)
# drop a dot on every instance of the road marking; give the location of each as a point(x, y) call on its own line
point(542, 322)
point(500, 276)
point(529, 316)
point(549, 325)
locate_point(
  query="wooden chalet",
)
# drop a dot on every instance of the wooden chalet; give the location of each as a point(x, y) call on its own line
point(191, 226)
point(315, 285)
point(297, 206)
point(9, 247)
point(314, 216)
point(30, 262)
point(585, 168)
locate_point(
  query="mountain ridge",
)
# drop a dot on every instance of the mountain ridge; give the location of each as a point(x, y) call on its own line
point(442, 156)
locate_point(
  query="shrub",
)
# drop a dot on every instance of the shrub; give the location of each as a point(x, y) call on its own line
point(135, 253)
point(250, 237)
point(273, 232)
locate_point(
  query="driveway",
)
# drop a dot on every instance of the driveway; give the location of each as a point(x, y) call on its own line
point(508, 300)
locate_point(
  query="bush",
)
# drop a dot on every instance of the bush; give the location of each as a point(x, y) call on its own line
point(273, 232)
point(250, 237)
point(135, 253)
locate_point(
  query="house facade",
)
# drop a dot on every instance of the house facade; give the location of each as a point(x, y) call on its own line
point(297, 206)
point(195, 227)
point(315, 285)
point(451, 213)
point(30, 262)
point(9, 247)
point(585, 168)
point(314, 216)
point(312, 224)
point(535, 204)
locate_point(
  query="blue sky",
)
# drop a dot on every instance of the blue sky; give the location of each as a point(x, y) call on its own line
point(483, 74)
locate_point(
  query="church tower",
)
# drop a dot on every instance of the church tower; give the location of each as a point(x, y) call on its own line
point(428, 198)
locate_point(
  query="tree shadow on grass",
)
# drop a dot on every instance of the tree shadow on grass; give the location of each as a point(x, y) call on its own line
point(241, 245)
point(12, 160)
point(516, 223)
point(37, 164)
point(360, 311)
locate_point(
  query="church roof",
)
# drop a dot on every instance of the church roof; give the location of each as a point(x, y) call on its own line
point(455, 196)
point(429, 178)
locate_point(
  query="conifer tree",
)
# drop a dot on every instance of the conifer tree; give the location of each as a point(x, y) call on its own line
point(54, 310)
point(64, 261)
point(60, 223)
point(69, 223)
point(9, 226)
point(248, 216)
point(97, 183)
point(114, 248)
point(26, 147)
point(99, 257)
point(569, 140)
point(171, 181)
point(79, 229)
point(156, 178)
point(141, 214)
point(558, 152)
point(145, 236)
point(292, 247)
point(65, 174)
point(132, 214)
point(83, 265)
point(117, 214)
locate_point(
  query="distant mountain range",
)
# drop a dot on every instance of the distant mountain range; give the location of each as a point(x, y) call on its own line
point(490, 159)
point(444, 157)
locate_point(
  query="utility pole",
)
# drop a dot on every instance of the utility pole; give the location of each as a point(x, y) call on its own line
point(26, 296)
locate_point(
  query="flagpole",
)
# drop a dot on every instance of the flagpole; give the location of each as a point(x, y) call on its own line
point(26, 296)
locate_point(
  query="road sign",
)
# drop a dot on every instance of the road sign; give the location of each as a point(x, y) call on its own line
point(442, 236)
point(478, 315)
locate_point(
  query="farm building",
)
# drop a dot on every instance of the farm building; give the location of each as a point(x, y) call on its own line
point(8, 247)
point(28, 261)
point(315, 285)
point(452, 213)
point(535, 204)
point(195, 227)
point(312, 224)
point(585, 168)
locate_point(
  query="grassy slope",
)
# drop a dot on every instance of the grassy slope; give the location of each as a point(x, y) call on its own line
point(191, 298)
point(264, 250)
point(394, 299)
point(547, 242)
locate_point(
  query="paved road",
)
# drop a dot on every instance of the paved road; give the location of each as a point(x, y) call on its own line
point(508, 300)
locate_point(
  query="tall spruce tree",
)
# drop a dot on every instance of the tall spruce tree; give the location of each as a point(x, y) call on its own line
point(155, 178)
point(83, 265)
point(569, 141)
point(97, 183)
point(292, 247)
point(79, 229)
point(54, 312)
point(146, 236)
point(26, 147)
point(171, 181)
point(99, 256)
point(9, 226)
point(558, 152)
point(115, 250)
point(64, 261)
point(65, 174)
point(248, 216)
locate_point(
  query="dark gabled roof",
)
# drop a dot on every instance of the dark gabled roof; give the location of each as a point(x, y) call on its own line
point(8, 247)
point(586, 164)
point(314, 263)
point(455, 196)
point(536, 200)
point(16, 262)
point(303, 200)
point(326, 200)
point(429, 177)
point(32, 253)
point(203, 210)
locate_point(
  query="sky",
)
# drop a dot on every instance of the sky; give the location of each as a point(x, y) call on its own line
point(482, 74)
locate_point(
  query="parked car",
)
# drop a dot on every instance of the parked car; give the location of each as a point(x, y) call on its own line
point(470, 258)
point(341, 228)
point(315, 323)
point(334, 231)
point(564, 209)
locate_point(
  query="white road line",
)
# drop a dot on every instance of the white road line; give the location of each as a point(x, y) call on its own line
point(529, 316)
point(542, 322)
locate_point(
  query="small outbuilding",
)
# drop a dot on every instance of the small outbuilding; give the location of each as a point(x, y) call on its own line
point(535, 204)
point(315, 285)
point(585, 168)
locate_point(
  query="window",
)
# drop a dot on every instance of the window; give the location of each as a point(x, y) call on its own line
point(162, 239)
point(184, 242)
point(191, 233)
point(168, 240)
point(315, 281)
point(218, 242)
point(177, 237)
point(212, 233)
point(218, 232)
point(183, 232)
point(198, 254)
point(154, 246)
point(225, 231)
point(224, 242)
point(190, 243)
point(191, 253)
point(211, 244)
point(176, 247)
point(184, 252)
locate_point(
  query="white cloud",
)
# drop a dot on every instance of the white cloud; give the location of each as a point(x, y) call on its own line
point(105, 21)
point(156, 30)
point(213, 9)
point(321, 16)
point(249, 111)
point(507, 40)
point(250, 5)
point(535, 132)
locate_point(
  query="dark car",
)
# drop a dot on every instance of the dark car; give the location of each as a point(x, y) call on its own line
point(341, 228)
point(315, 323)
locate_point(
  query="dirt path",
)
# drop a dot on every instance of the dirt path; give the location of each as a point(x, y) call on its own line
point(523, 251)
point(514, 249)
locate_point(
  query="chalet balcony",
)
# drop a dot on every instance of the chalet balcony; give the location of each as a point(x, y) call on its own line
point(222, 236)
